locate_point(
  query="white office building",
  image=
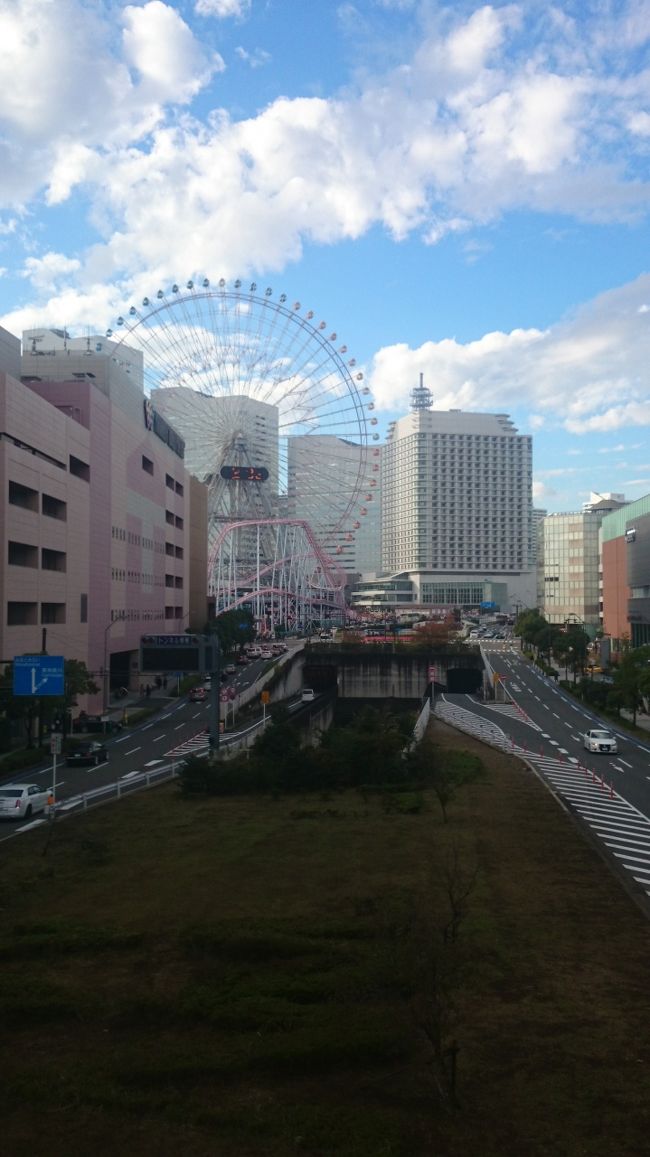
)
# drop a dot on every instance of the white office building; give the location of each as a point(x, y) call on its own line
point(457, 499)
point(341, 500)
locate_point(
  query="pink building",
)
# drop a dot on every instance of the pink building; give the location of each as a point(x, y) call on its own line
point(101, 519)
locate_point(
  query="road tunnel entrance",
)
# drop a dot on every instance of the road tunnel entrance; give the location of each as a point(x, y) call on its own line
point(464, 680)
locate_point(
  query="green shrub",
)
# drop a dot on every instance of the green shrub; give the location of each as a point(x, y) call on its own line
point(26, 757)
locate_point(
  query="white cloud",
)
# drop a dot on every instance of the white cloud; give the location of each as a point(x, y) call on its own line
point(479, 120)
point(542, 492)
point(222, 9)
point(47, 272)
point(161, 48)
point(587, 373)
point(255, 59)
point(68, 94)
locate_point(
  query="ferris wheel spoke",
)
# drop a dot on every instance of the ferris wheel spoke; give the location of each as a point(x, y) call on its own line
point(253, 384)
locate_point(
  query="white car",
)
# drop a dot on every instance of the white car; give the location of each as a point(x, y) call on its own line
point(22, 800)
point(308, 695)
point(599, 739)
point(266, 654)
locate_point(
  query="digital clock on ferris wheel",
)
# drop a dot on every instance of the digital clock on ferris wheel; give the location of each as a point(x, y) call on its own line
point(244, 473)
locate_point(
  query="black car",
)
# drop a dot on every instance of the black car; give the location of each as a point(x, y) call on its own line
point(88, 755)
point(95, 723)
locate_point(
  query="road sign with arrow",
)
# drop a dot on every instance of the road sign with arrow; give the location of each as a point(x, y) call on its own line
point(38, 675)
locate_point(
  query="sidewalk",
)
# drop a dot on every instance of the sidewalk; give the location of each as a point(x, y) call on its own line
point(642, 720)
point(134, 701)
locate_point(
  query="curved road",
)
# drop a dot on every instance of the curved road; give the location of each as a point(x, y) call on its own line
point(608, 794)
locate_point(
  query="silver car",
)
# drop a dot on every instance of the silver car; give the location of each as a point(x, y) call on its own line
point(22, 800)
point(599, 739)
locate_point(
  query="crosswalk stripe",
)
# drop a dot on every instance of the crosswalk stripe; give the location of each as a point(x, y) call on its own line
point(589, 796)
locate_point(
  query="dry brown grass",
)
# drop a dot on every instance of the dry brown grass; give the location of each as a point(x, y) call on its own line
point(247, 977)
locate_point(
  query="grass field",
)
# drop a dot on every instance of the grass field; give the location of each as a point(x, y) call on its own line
point(248, 977)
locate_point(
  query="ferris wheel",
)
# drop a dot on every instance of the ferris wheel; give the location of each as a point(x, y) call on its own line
point(277, 422)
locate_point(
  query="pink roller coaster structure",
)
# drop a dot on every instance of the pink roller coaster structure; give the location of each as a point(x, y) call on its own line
point(297, 584)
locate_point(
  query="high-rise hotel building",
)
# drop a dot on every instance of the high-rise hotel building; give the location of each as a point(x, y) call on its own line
point(457, 498)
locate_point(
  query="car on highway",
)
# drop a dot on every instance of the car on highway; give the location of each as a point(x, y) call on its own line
point(198, 695)
point(599, 739)
point(21, 800)
point(266, 654)
point(88, 755)
point(308, 694)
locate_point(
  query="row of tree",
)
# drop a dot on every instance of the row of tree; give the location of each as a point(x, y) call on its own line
point(372, 752)
point(569, 645)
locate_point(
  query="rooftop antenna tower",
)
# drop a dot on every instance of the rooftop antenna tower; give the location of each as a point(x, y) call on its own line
point(421, 397)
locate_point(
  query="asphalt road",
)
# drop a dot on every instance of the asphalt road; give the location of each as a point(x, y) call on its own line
point(175, 731)
point(179, 727)
point(608, 794)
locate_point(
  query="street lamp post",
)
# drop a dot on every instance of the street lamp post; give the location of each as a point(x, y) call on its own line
point(119, 619)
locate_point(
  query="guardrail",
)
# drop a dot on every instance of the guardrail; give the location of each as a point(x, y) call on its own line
point(140, 780)
point(134, 781)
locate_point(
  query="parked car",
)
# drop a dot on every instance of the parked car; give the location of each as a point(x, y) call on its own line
point(95, 724)
point(599, 739)
point(21, 800)
point(308, 694)
point(89, 755)
point(198, 695)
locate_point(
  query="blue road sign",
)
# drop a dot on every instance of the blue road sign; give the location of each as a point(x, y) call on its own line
point(38, 675)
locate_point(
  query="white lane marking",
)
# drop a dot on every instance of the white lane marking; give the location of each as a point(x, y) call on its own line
point(156, 738)
point(616, 767)
point(638, 861)
point(178, 726)
point(151, 763)
point(626, 764)
point(123, 739)
point(147, 726)
point(197, 715)
point(96, 766)
point(129, 775)
point(131, 751)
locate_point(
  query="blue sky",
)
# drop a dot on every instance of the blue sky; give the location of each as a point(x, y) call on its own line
point(461, 191)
